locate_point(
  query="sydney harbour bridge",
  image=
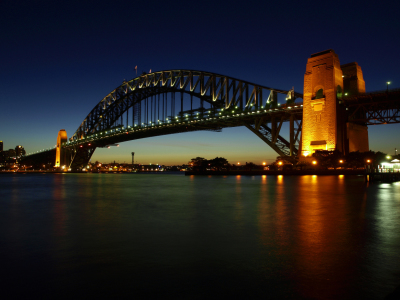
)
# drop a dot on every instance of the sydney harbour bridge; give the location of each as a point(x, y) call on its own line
point(176, 101)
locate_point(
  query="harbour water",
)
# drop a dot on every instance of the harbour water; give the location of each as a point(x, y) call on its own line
point(164, 236)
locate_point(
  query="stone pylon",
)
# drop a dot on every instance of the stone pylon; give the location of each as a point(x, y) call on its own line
point(60, 152)
point(325, 122)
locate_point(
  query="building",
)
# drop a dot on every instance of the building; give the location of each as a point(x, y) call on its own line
point(19, 151)
point(1, 146)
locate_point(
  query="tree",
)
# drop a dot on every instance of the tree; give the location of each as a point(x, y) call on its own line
point(219, 163)
point(355, 160)
point(328, 159)
point(303, 165)
point(198, 163)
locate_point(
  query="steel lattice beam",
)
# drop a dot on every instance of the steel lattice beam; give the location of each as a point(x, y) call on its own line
point(222, 91)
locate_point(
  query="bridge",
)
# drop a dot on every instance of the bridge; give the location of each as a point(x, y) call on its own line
point(175, 101)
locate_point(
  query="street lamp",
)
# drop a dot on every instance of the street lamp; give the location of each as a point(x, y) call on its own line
point(387, 86)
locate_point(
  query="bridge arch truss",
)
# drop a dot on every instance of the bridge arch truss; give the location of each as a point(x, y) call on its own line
point(218, 91)
point(165, 98)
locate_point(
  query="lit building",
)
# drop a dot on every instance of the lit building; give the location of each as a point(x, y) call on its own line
point(19, 151)
point(10, 153)
point(1, 146)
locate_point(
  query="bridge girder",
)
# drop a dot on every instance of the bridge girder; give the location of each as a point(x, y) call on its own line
point(218, 90)
point(382, 107)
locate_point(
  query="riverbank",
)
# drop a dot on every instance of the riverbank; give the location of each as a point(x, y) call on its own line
point(286, 172)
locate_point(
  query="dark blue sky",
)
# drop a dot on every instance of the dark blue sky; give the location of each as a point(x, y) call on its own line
point(59, 59)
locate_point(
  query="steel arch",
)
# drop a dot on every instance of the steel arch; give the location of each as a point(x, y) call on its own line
point(219, 90)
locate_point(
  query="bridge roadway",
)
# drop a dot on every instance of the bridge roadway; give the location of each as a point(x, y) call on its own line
point(374, 108)
point(256, 121)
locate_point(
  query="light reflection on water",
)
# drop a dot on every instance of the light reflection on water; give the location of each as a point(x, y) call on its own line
point(291, 237)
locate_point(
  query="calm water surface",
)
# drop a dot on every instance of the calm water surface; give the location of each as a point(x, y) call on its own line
point(170, 236)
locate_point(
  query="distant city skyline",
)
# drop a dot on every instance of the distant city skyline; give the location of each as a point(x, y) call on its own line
point(58, 61)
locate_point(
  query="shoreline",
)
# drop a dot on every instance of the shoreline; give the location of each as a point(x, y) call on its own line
point(287, 172)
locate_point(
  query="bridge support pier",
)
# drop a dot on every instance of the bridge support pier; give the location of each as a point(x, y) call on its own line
point(325, 125)
point(272, 137)
point(61, 155)
point(80, 157)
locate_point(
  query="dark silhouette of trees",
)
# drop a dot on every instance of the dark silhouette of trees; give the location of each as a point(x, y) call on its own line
point(202, 164)
point(328, 159)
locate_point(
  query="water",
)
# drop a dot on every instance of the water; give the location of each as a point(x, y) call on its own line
point(170, 236)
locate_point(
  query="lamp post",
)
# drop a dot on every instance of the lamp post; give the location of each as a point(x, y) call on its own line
point(387, 86)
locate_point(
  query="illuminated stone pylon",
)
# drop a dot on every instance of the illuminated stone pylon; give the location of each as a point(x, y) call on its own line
point(60, 155)
point(325, 124)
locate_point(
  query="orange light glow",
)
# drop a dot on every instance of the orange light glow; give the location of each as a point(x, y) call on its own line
point(280, 163)
point(341, 161)
point(264, 163)
point(314, 162)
